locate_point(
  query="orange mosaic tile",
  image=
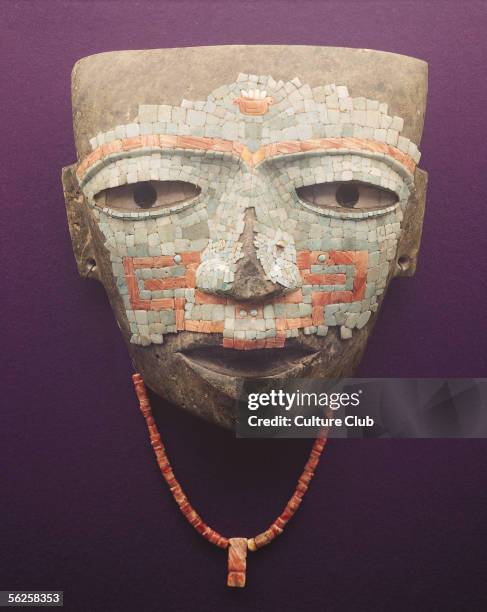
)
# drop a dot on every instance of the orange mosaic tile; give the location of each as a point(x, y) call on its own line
point(205, 327)
point(324, 279)
point(248, 345)
point(296, 297)
point(158, 284)
point(207, 298)
point(251, 106)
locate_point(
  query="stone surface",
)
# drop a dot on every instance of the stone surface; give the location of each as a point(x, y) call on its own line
point(237, 562)
point(257, 212)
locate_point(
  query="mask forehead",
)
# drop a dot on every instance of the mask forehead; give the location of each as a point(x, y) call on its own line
point(108, 88)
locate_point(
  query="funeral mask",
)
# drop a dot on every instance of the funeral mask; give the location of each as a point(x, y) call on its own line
point(245, 207)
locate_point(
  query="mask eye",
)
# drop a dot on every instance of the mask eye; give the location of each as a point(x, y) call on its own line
point(350, 195)
point(144, 195)
point(147, 195)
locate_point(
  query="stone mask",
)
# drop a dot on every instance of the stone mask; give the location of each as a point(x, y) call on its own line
point(245, 207)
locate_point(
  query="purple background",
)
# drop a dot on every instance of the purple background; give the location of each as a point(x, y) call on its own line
point(387, 525)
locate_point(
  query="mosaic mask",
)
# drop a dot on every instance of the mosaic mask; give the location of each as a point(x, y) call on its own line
point(245, 207)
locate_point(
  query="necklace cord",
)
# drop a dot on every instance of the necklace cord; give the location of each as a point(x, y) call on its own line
point(237, 546)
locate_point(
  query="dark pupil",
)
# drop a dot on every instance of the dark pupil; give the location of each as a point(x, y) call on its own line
point(144, 195)
point(347, 195)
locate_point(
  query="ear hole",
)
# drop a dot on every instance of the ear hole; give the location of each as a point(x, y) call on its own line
point(404, 262)
point(90, 266)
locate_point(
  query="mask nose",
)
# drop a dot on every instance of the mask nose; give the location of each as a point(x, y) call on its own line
point(248, 258)
point(259, 267)
point(250, 279)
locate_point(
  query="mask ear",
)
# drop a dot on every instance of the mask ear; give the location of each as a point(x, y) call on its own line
point(408, 247)
point(79, 227)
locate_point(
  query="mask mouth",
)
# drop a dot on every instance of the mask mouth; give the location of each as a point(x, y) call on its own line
point(255, 363)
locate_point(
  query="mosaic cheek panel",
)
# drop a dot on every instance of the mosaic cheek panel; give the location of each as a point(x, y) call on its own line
point(341, 279)
point(249, 147)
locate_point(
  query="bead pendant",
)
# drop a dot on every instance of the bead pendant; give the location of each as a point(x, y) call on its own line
point(237, 562)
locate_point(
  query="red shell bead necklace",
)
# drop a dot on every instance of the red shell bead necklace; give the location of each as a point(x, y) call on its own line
point(237, 547)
